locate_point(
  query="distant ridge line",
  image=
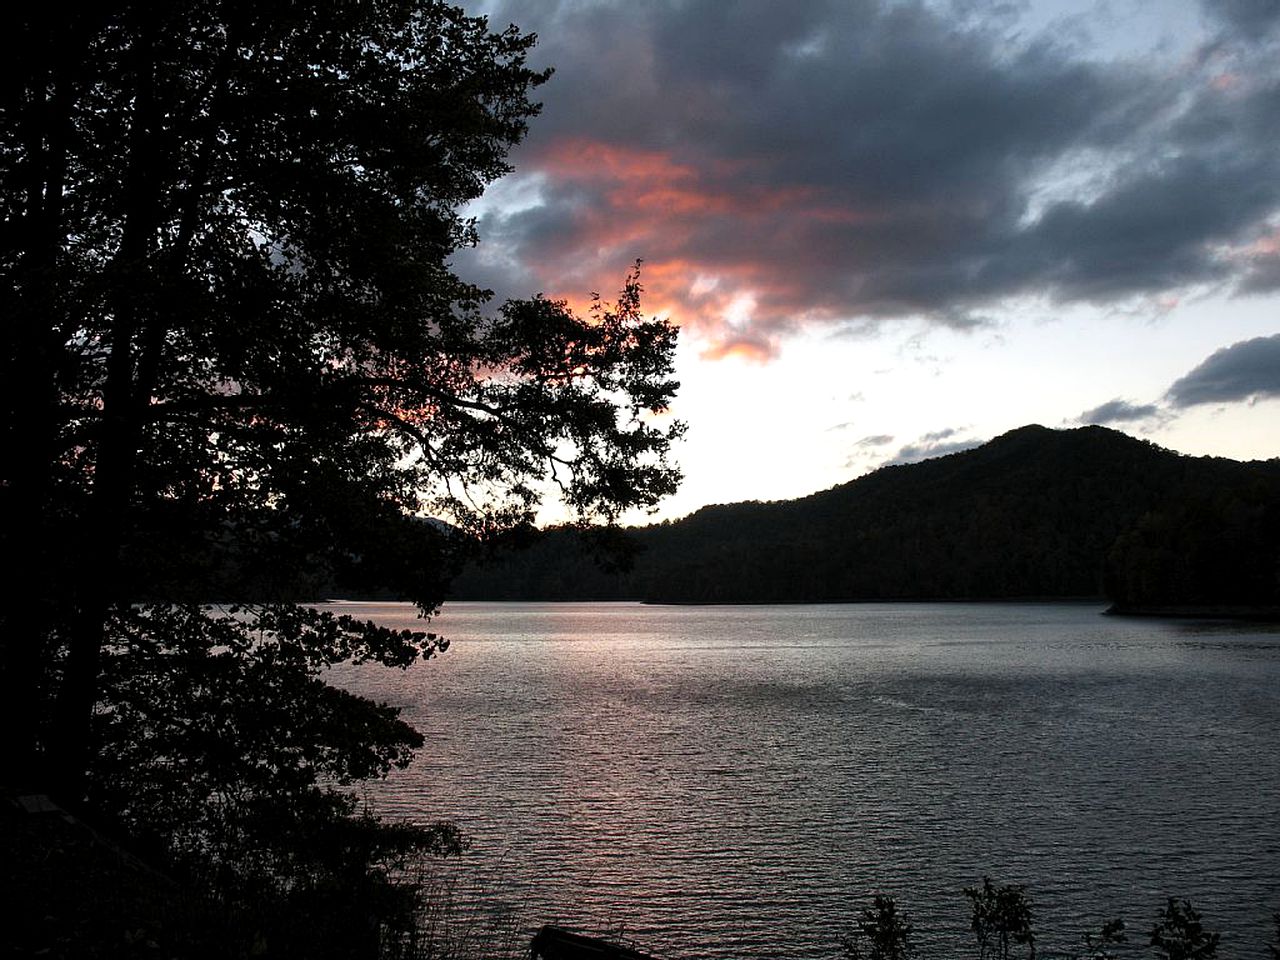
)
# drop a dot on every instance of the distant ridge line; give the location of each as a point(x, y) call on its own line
point(1032, 513)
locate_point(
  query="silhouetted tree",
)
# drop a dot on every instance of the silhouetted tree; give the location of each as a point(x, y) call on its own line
point(228, 298)
point(1001, 920)
point(1179, 934)
point(882, 932)
point(233, 351)
point(220, 747)
point(1100, 946)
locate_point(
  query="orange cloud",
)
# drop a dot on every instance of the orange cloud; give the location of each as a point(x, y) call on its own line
point(747, 350)
point(627, 203)
point(581, 158)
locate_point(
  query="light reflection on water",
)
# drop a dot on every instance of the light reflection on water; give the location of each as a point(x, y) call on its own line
point(738, 781)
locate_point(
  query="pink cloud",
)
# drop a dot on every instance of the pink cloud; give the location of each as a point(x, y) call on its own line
point(694, 227)
point(771, 182)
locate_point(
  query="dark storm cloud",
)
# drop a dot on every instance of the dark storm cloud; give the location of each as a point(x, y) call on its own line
point(1263, 275)
point(1119, 411)
point(1243, 371)
point(779, 165)
point(1251, 17)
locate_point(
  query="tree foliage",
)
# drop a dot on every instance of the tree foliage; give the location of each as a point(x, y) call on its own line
point(1179, 933)
point(236, 363)
point(1214, 547)
point(223, 755)
point(1001, 920)
point(1102, 945)
point(882, 932)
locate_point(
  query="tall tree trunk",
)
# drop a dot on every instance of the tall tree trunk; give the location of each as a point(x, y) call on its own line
point(31, 400)
point(145, 280)
point(100, 586)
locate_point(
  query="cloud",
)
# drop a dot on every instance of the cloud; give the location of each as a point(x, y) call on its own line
point(849, 162)
point(942, 434)
point(1262, 258)
point(1244, 371)
point(1250, 17)
point(750, 347)
point(1119, 411)
point(865, 451)
point(931, 445)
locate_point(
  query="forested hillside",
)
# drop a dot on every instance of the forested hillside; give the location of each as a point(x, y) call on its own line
point(1033, 513)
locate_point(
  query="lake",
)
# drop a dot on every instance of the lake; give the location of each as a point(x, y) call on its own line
point(739, 781)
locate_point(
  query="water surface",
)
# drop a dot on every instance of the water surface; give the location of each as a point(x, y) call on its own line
point(739, 781)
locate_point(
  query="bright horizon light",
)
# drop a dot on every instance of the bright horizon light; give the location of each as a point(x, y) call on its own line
point(889, 230)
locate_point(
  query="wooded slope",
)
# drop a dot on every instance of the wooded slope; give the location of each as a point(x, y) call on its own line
point(1033, 513)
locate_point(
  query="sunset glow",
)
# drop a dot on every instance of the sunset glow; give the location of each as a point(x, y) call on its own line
point(969, 220)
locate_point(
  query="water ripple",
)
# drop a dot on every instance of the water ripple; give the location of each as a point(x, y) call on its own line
point(737, 782)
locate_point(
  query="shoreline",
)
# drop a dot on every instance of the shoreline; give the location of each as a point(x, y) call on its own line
point(1197, 611)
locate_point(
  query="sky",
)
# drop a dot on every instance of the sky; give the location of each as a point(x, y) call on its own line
point(894, 229)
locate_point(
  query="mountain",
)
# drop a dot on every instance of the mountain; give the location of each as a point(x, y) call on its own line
point(1033, 513)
